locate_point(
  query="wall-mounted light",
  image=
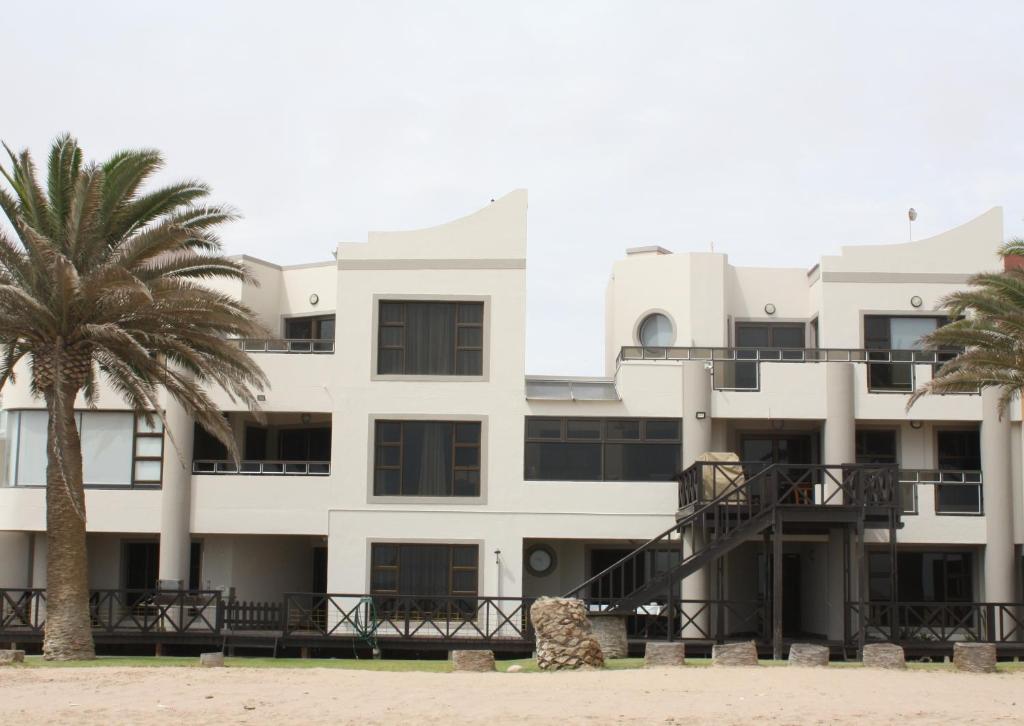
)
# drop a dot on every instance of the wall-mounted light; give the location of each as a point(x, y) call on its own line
point(916, 301)
point(702, 414)
point(778, 424)
point(306, 418)
point(314, 299)
point(769, 308)
point(916, 424)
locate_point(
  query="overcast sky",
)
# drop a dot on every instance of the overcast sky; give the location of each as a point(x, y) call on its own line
point(777, 130)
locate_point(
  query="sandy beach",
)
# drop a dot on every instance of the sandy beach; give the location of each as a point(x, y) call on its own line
point(777, 695)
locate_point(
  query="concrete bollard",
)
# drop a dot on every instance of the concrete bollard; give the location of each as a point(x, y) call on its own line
point(473, 661)
point(884, 655)
point(734, 654)
point(10, 657)
point(661, 655)
point(212, 660)
point(974, 657)
point(808, 655)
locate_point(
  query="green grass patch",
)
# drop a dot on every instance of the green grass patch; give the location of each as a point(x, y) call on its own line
point(407, 666)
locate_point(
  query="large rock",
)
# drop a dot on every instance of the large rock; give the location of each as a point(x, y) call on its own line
point(808, 655)
point(661, 655)
point(734, 654)
point(212, 660)
point(884, 655)
point(564, 636)
point(610, 631)
point(475, 661)
point(974, 657)
point(10, 657)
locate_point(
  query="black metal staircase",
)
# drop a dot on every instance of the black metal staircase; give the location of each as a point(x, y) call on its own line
point(723, 505)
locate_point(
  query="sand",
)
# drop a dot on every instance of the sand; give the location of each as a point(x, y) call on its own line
point(777, 695)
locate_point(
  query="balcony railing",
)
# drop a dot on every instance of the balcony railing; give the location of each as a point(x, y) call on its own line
point(938, 622)
point(261, 468)
point(286, 345)
point(957, 492)
point(738, 369)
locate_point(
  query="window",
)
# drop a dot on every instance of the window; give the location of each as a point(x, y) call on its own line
point(656, 331)
point(305, 444)
point(320, 327)
point(599, 449)
point(206, 446)
point(430, 338)
point(898, 337)
point(923, 576)
point(424, 580)
point(958, 451)
point(779, 341)
point(427, 459)
point(108, 456)
point(148, 454)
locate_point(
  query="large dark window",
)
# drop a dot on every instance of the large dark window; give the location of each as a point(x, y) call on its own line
point(423, 570)
point(898, 337)
point(427, 459)
point(596, 449)
point(430, 338)
point(320, 327)
point(923, 576)
point(959, 451)
point(771, 341)
point(313, 444)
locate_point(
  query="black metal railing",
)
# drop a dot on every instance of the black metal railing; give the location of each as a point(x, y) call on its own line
point(937, 622)
point(261, 467)
point(401, 616)
point(286, 345)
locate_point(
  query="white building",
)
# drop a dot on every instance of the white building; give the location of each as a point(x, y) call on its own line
point(406, 451)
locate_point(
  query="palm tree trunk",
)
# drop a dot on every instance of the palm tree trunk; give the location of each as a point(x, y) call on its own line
point(68, 635)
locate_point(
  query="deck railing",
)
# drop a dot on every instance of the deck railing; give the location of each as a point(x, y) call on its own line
point(404, 616)
point(286, 345)
point(261, 468)
point(938, 622)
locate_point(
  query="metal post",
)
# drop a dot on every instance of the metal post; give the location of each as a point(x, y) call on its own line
point(862, 584)
point(777, 588)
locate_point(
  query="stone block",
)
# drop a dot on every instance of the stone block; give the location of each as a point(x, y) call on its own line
point(662, 655)
point(212, 660)
point(974, 657)
point(610, 631)
point(564, 635)
point(884, 655)
point(10, 657)
point(808, 655)
point(474, 661)
point(734, 654)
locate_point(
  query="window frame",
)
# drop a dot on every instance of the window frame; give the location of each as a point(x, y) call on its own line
point(480, 467)
point(139, 432)
point(602, 440)
point(411, 606)
point(485, 335)
point(317, 320)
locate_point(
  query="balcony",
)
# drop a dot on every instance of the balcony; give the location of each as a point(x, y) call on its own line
point(284, 444)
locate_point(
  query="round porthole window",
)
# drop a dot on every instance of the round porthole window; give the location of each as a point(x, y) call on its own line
point(540, 560)
point(656, 331)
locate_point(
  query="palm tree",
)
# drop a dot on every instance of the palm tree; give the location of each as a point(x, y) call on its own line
point(988, 327)
point(105, 281)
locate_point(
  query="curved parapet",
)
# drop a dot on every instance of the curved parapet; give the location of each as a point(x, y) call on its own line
point(496, 232)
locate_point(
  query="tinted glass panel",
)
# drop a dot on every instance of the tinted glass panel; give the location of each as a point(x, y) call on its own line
point(623, 429)
point(641, 462)
point(668, 429)
point(544, 428)
point(563, 462)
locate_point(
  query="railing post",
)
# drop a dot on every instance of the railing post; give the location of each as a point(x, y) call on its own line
point(219, 616)
point(777, 588)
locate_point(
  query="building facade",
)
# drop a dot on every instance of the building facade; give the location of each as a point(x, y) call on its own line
point(405, 453)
